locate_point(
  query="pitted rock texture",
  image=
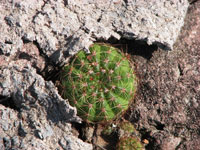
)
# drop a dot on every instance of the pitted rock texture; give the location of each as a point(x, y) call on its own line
point(29, 90)
point(16, 130)
point(43, 114)
point(62, 27)
point(167, 109)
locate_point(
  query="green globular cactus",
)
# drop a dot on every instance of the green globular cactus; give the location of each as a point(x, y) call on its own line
point(129, 143)
point(100, 84)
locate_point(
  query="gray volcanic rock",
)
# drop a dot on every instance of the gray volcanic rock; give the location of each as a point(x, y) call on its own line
point(62, 27)
point(42, 111)
point(29, 90)
point(16, 133)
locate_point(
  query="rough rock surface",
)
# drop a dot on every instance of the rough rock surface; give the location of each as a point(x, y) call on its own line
point(167, 110)
point(61, 27)
point(40, 118)
point(29, 91)
point(23, 131)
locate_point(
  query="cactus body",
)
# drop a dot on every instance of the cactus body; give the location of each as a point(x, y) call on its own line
point(100, 84)
point(128, 137)
point(129, 143)
point(126, 129)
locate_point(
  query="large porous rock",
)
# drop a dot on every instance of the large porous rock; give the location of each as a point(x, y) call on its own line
point(64, 27)
point(40, 118)
point(167, 110)
point(22, 131)
point(31, 92)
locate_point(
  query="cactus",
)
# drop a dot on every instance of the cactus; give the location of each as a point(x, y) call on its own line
point(129, 143)
point(100, 84)
point(126, 129)
point(128, 137)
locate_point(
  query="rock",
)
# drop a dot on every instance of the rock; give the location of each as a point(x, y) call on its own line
point(43, 133)
point(192, 144)
point(15, 141)
point(21, 131)
point(20, 78)
point(31, 53)
point(167, 102)
point(41, 110)
point(165, 141)
point(73, 144)
point(1, 143)
point(7, 142)
point(7, 120)
point(19, 135)
point(62, 27)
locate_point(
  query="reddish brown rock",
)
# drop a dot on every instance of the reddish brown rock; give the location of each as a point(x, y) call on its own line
point(30, 52)
point(168, 101)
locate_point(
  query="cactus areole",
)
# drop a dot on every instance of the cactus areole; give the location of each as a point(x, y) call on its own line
point(100, 84)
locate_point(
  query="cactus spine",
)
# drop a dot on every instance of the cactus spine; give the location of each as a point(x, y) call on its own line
point(129, 143)
point(100, 84)
point(128, 137)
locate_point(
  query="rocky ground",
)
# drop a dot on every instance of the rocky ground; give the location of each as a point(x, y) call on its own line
point(37, 37)
point(168, 101)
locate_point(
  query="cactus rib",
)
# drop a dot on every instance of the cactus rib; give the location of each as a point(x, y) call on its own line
point(100, 84)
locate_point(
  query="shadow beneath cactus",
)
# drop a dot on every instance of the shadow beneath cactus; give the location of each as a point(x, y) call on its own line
point(111, 140)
